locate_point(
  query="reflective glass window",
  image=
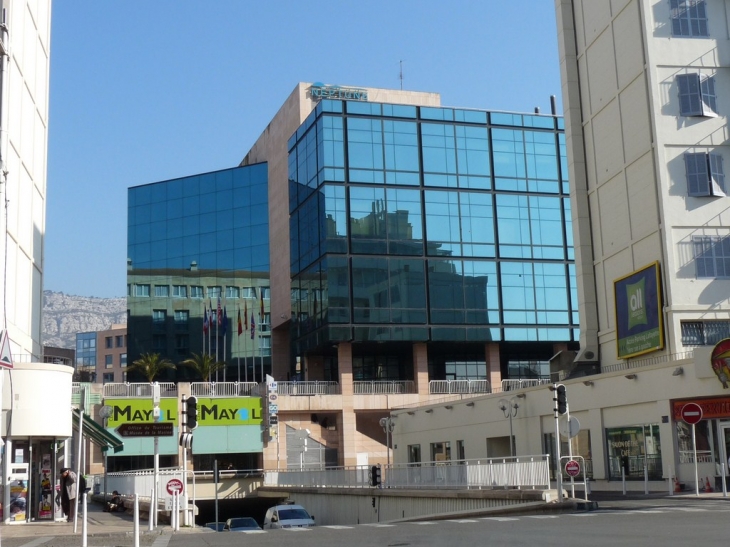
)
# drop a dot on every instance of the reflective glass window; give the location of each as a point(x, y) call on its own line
point(438, 147)
point(459, 223)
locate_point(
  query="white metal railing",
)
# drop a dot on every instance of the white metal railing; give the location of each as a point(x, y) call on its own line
point(522, 472)
point(458, 386)
point(513, 385)
point(703, 456)
point(167, 389)
point(308, 388)
point(383, 387)
point(222, 389)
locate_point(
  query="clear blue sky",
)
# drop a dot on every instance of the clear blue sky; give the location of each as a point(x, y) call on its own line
point(144, 91)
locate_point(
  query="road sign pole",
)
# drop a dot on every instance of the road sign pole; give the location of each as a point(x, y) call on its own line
point(694, 450)
point(570, 449)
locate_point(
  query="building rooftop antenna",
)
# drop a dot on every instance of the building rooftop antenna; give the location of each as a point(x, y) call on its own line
point(400, 76)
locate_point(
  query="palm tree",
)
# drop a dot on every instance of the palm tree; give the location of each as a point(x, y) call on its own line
point(204, 365)
point(150, 365)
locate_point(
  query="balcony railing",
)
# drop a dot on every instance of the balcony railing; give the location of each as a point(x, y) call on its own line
point(514, 385)
point(308, 388)
point(638, 363)
point(222, 389)
point(167, 389)
point(524, 472)
point(384, 387)
point(447, 387)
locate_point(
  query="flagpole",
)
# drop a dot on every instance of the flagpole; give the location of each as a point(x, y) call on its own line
point(204, 329)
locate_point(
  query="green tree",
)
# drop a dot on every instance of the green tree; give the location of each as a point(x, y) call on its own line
point(150, 365)
point(204, 365)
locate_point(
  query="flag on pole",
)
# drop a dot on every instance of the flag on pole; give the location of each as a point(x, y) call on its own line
point(245, 315)
point(253, 326)
point(261, 292)
point(220, 312)
point(240, 325)
point(225, 321)
point(205, 320)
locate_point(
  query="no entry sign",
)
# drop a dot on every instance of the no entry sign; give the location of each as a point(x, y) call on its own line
point(572, 468)
point(691, 413)
point(174, 485)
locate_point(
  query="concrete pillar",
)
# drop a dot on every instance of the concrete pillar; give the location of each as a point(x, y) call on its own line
point(494, 370)
point(420, 368)
point(348, 431)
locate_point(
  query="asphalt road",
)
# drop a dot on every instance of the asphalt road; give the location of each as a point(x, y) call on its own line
point(665, 522)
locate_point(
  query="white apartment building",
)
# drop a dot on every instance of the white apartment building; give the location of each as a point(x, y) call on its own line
point(645, 87)
point(25, 47)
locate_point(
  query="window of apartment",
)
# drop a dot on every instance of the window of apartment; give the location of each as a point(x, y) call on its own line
point(123, 360)
point(441, 452)
point(179, 291)
point(162, 290)
point(705, 175)
point(414, 453)
point(233, 292)
point(158, 342)
point(158, 316)
point(196, 291)
point(214, 292)
point(689, 17)
point(142, 290)
point(712, 256)
point(108, 342)
point(108, 378)
point(181, 318)
point(249, 292)
point(182, 345)
point(460, 453)
point(697, 95)
point(108, 361)
point(704, 333)
point(120, 341)
point(266, 292)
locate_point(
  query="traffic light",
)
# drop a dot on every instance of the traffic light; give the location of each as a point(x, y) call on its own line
point(191, 410)
point(375, 477)
point(562, 399)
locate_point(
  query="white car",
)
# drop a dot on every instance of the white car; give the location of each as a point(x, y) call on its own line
point(287, 516)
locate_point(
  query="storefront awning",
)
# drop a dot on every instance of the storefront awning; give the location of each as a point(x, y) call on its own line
point(97, 434)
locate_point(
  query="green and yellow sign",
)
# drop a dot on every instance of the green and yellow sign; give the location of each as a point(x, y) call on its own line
point(125, 411)
point(229, 411)
point(211, 411)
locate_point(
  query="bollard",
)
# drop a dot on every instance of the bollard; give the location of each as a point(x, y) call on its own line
point(623, 479)
point(136, 520)
point(84, 524)
point(671, 484)
point(587, 482)
point(724, 482)
point(646, 479)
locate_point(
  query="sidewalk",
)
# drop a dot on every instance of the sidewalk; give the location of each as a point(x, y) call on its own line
point(100, 524)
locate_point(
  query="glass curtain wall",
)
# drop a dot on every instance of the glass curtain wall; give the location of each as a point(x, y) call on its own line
point(429, 224)
point(198, 268)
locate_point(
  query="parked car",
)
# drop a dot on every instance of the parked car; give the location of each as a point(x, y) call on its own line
point(287, 516)
point(241, 524)
point(215, 526)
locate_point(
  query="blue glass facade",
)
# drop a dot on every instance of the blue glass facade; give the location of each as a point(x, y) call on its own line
point(438, 225)
point(197, 243)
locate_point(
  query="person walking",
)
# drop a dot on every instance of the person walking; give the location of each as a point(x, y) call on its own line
point(68, 493)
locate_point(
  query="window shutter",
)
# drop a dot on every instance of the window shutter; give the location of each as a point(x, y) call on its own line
point(717, 175)
point(690, 103)
point(707, 95)
point(698, 180)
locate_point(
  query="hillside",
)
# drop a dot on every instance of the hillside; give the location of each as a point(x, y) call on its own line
point(66, 315)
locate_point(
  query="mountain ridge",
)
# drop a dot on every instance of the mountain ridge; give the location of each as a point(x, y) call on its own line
point(66, 315)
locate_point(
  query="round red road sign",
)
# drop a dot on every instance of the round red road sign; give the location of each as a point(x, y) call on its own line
point(572, 468)
point(691, 413)
point(174, 485)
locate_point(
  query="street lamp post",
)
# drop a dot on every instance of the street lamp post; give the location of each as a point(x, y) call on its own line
point(509, 408)
point(388, 426)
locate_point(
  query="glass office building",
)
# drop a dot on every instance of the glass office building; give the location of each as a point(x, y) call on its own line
point(198, 266)
point(415, 224)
